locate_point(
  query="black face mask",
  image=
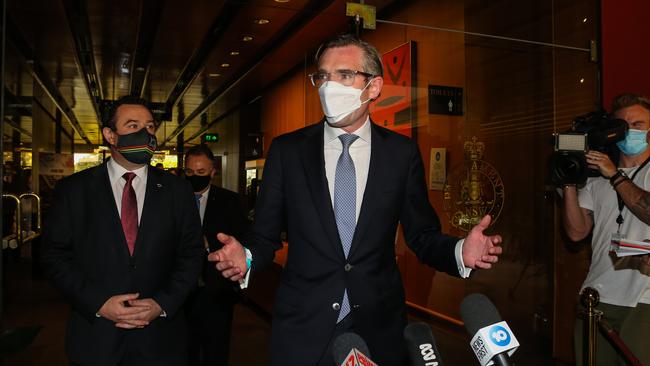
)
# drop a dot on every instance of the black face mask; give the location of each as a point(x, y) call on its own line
point(137, 147)
point(198, 182)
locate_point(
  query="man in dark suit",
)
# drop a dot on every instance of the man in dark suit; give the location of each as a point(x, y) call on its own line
point(340, 188)
point(210, 306)
point(123, 245)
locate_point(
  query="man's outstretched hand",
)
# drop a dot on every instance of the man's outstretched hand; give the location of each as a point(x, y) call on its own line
point(230, 259)
point(480, 250)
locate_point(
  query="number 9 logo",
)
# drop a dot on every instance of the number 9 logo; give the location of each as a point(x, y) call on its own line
point(499, 336)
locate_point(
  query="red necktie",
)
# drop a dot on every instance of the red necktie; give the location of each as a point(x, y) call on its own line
point(129, 212)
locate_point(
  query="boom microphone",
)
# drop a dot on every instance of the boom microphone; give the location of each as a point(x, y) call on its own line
point(493, 342)
point(421, 345)
point(350, 350)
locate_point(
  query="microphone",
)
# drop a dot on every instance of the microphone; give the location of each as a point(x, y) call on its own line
point(421, 345)
point(493, 342)
point(350, 350)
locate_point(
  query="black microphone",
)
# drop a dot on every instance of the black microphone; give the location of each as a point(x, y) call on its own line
point(350, 350)
point(492, 338)
point(421, 345)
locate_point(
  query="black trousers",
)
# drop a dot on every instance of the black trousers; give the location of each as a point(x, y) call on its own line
point(209, 314)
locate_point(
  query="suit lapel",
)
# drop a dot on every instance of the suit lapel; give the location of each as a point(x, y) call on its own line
point(372, 194)
point(152, 206)
point(106, 202)
point(313, 161)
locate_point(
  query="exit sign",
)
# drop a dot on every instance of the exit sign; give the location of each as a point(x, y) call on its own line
point(210, 137)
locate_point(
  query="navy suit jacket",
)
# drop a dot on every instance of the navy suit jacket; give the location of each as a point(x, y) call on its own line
point(295, 197)
point(86, 257)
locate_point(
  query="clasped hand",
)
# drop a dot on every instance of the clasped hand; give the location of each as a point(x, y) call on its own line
point(129, 312)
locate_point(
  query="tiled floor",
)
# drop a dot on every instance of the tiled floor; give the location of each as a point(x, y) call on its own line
point(32, 302)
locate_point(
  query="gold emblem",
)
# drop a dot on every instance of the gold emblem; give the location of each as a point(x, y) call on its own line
point(473, 189)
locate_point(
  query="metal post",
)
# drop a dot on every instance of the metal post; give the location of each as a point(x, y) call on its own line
point(590, 298)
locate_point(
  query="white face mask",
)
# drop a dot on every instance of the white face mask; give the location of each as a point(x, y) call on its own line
point(338, 100)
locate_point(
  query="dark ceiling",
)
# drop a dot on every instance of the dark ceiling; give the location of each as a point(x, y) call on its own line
point(72, 55)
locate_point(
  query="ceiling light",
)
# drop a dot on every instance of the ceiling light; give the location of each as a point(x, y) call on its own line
point(261, 21)
point(214, 75)
point(247, 38)
point(584, 20)
point(234, 53)
point(225, 64)
point(282, 1)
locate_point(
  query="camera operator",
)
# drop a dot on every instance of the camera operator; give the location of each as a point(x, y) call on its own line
point(624, 285)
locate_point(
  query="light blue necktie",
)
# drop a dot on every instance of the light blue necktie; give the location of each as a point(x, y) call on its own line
point(345, 205)
point(197, 197)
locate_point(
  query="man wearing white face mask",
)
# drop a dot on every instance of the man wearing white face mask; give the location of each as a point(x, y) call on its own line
point(339, 188)
point(618, 203)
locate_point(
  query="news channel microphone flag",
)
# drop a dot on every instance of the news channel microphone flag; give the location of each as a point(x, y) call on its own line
point(349, 349)
point(493, 342)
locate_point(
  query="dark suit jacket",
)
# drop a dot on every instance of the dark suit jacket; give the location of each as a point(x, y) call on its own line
point(295, 195)
point(223, 214)
point(87, 259)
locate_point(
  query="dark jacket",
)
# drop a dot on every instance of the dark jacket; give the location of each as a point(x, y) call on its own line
point(86, 257)
point(295, 196)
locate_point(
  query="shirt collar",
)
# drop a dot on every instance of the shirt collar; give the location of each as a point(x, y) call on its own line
point(333, 133)
point(115, 170)
point(205, 194)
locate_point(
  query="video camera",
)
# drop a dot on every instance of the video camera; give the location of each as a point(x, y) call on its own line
point(593, 131)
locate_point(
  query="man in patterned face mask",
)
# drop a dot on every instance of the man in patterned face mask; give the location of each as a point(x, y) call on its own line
point(123, 244)
point(617, 204)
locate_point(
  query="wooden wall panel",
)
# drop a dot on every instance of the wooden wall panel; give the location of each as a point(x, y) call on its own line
point(283, 108)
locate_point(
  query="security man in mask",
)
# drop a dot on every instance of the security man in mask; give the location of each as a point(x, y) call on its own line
point(123, 245)
point(210, 307)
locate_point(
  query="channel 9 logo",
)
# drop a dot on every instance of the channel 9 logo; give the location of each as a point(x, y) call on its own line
point(499, 336)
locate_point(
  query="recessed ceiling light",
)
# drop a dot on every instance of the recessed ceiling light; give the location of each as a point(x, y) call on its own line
point(214, 74)
point(261, 21)
point(247, 38)
point(225, 64)
point(282, 1)
point(234, 53)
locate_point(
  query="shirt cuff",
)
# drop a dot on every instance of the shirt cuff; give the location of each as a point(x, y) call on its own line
point(243, 283)
point(463, 271)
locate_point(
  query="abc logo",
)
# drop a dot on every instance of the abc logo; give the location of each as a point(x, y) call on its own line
point(499, 336)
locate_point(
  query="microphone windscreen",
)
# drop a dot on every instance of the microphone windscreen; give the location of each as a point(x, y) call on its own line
point(421, 345)
point(344, 343)
point(477, 311)
point(418, 333)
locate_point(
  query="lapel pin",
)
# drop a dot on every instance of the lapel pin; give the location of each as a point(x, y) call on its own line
point(158, 185)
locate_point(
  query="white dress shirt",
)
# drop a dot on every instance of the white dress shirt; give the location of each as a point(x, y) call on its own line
point(203, 203)
point(139, 184)
point(359, 152)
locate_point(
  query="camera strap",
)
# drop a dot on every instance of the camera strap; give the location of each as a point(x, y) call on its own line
point(621, 204)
